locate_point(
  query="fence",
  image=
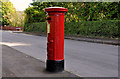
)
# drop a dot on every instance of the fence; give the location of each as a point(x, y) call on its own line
point(12, 28)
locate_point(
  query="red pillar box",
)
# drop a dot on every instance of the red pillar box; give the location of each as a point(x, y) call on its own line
point(55, 39)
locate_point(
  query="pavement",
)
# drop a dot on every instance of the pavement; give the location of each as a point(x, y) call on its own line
point(18, 64)
point(84, 59)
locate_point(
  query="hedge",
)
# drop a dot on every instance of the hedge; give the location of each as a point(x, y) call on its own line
point(85, 28)
point(35, 27)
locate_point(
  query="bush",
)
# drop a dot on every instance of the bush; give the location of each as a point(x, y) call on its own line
point(93, 28)
point(85, 28)
point(35, 27)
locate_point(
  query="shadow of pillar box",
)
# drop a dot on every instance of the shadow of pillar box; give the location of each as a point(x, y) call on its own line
point(55, 38)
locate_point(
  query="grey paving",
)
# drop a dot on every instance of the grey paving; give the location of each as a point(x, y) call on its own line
point(81, 58)
point(18, 64)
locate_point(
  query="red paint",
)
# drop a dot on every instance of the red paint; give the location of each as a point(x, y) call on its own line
point(55, 40)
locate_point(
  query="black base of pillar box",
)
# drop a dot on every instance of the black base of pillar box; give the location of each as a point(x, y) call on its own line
point(55, 66)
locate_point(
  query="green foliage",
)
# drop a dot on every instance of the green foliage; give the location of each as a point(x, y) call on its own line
point(82, 18)
point(10, 16)
point(84, 28)
point(7, 9)
point(34, 14)
point(93, 28)
point(35, 27)
point(77, 11)
point(111, 10)
point(18, 19)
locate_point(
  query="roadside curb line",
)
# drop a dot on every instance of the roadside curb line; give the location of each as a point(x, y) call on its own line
point(92, 40)
point(95, 40)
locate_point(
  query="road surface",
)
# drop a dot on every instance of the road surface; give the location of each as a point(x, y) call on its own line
point(81, 58)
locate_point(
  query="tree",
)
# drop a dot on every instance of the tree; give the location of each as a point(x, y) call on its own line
point(17, 19)
point(7, 10)
point(77, 11)
point(34, 14)
point(10, 16)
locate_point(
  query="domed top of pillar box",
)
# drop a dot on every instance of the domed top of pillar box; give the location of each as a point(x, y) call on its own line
point(55, 9)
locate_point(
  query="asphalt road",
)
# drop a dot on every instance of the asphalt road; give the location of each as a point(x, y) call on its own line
point(81, 58)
